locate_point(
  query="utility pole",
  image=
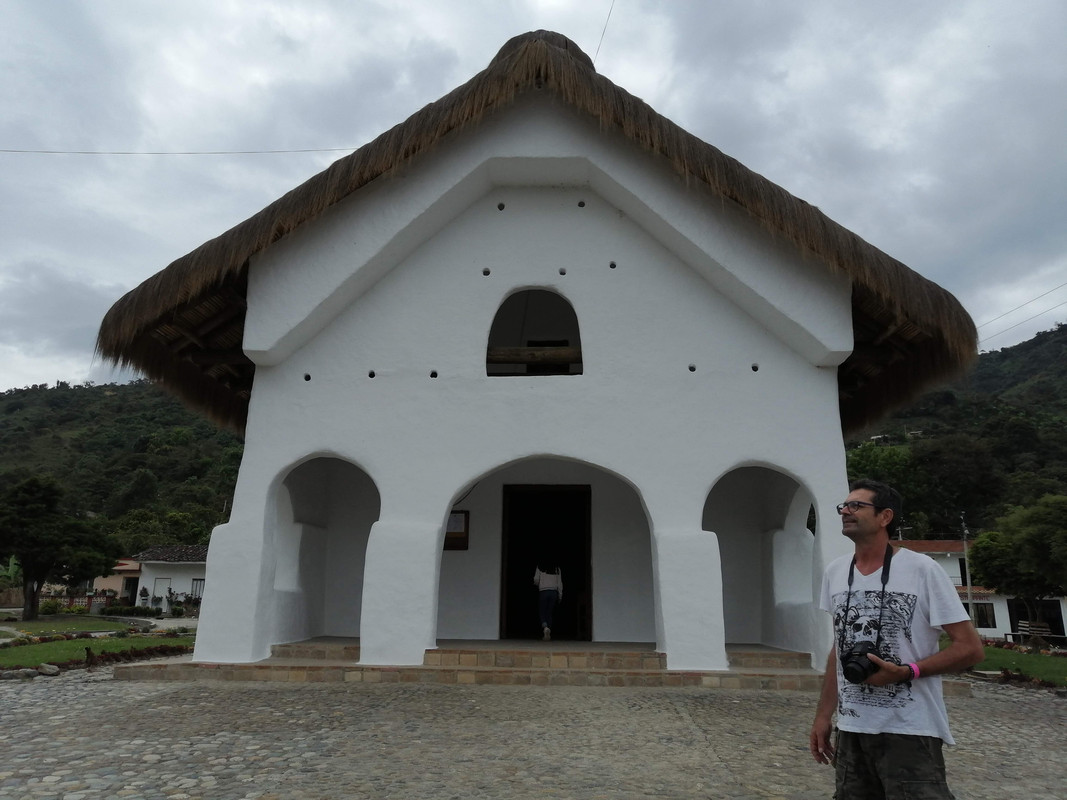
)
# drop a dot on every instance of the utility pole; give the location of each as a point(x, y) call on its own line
point(967, 566)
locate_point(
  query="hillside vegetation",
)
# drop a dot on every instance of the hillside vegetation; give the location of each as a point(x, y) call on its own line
point(129, 455)
point(154, 472)
point(992, 441)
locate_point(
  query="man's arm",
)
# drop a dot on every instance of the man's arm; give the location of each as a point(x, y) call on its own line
point(964, 651)
point(822, 749)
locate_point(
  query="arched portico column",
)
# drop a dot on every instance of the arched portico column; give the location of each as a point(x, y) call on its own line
point(689, 614)
point(234, 620)
point(399, 611)
point(829, 544)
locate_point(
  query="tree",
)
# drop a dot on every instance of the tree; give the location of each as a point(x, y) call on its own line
point(956, 473)
point(1040, 531)
point(998, 562)
point(48, 543)
point(892, 464)
point(10, 574)
point(139, 492)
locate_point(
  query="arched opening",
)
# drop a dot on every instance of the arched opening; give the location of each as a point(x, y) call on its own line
point(761, 519)
point(324, 511)
point(596, 521)
point(534, 332)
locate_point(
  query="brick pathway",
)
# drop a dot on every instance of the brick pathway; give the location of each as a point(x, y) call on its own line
point(83, 736)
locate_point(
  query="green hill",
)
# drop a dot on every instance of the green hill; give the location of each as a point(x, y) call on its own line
point(132, 454)
point(991, 441)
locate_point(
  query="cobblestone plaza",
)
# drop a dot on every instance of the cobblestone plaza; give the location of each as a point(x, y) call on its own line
point(83, 736)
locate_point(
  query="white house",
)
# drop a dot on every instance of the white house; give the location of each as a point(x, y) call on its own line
point(170, 570)
point(536, 316)
point(996, 616)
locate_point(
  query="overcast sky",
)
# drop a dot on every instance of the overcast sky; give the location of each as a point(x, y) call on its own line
point(935, 130)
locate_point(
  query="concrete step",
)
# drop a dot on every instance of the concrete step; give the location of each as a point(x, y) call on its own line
point(318, 650)
point(323, 671)
point(507, 663)
point(569, 655)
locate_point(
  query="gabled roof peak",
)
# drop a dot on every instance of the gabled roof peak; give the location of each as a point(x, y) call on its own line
point(513, 45)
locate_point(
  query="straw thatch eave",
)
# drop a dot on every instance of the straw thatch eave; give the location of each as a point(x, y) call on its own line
point(909, 331)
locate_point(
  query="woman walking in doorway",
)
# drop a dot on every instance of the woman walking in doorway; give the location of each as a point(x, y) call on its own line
point(549, 583)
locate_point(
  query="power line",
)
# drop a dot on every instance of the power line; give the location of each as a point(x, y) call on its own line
point(610, 8)
point(174, 152)
point(1017, 324)
point(1028, 302)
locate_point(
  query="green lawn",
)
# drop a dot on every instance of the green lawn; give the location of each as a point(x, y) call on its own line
point(1047, 668)
point(67, 623)
point(57, 652)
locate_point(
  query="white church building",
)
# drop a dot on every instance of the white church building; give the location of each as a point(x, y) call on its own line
point(535, 319)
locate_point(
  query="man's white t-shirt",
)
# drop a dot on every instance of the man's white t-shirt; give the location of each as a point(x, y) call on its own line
point(919, 599)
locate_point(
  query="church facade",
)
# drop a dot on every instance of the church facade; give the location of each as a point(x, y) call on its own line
point(520, 328)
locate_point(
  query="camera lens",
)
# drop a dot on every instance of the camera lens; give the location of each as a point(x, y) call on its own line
point(855, 665)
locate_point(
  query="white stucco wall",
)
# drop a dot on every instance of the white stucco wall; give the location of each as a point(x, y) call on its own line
point(181, 577)
point(706, 346)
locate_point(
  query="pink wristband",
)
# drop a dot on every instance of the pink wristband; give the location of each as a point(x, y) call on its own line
point(914, 670)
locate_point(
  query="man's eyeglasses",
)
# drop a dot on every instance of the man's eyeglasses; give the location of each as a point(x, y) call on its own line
point(853, 506)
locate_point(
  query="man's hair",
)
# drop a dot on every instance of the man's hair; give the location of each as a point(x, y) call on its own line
point(885, 496)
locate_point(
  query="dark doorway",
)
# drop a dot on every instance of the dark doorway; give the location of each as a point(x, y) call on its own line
point(129, 590)
point(553, 522)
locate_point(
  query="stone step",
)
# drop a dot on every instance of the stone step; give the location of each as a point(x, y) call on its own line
point(323, 671)
point(318, 650)
point(506, 663)
point(545, 657)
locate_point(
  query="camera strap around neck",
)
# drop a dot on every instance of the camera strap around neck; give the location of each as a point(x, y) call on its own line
point(881, 599)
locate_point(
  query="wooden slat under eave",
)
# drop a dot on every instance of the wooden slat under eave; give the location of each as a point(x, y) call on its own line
point(533, 355)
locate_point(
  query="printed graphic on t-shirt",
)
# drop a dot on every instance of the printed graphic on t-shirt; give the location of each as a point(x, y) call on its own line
point(862, 624)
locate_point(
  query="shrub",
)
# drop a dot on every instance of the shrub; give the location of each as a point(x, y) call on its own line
point(78, 610)
point(50, 607)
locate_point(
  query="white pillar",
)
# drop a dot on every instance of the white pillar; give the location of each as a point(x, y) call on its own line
point(829, 544)
point(399, 614)
point(234, 613)
point(689, 602)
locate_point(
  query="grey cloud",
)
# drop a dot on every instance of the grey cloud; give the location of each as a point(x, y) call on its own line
point(45, 312)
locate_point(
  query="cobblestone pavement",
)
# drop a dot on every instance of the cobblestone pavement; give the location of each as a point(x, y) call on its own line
point(82, 736)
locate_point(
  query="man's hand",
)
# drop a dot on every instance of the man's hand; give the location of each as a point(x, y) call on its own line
point(819, 742)
point(887, 673)
point(822, 749)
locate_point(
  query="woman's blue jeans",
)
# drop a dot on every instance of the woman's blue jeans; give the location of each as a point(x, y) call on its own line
point(546, 602)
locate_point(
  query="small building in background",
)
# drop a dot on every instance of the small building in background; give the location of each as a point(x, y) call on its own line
point(995, 616)
point(123, 582)
point(172, 575)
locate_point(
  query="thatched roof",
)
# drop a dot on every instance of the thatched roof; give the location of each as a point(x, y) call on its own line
point(184, 326)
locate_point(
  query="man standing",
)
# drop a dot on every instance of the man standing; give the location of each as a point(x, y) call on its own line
point(889, 608)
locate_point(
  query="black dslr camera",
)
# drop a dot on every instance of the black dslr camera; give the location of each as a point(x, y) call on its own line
point(855, 665)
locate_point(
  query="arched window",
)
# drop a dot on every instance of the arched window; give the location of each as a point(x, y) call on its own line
point(535, 332)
